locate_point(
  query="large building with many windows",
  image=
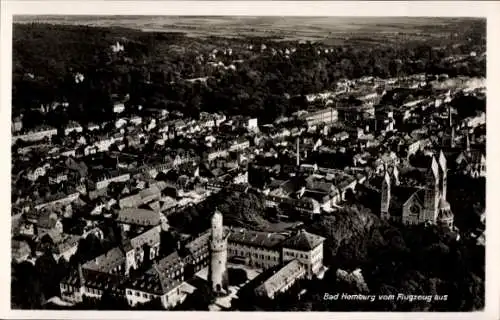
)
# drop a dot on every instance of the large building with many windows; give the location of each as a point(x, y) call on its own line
point(323, 116)
point(117, 271)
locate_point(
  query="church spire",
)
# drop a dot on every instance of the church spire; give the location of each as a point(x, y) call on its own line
point(432, 193)
point(443, 174)
point(385, 196)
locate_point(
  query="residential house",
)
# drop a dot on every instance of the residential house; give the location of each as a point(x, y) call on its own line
point(72, 127)
point(150, 286)
point(36, 135)
point(137, 217)
point(20, 251)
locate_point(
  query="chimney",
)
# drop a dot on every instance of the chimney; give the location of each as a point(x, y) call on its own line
point(298, 152)
point(80, 275)
point(452, 137)
point(467, 143)
point(450, 120)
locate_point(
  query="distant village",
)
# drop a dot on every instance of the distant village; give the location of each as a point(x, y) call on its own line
point(310, 162)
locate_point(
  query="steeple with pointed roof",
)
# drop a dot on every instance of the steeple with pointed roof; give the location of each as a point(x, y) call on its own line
point(395, 173)
point(432, 194)
point(443, 174)
point(385, 196)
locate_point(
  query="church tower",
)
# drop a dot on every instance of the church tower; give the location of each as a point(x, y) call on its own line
point(385, 196)
point(218, 255)
point(431, 194)
point(443, 174)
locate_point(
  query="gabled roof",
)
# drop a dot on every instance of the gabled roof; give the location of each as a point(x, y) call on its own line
point(167, 203)
point(155, 206)
point(106, 261)
point(282, 277)
point(303, 241)
point(150, 237)
point(171, 261)
point(142, 217)
point(102, 281)
point(68, 242)
point(20, 248)
point(417, 196)
point(198, 243)
point(255, 238)
point(47, 220)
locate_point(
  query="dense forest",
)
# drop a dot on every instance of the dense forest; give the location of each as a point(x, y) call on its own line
point(153, 66)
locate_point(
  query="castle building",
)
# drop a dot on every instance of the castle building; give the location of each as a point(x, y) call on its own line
point(307, 248)
point(424, 204)
point(218, 255)
point(297, 255)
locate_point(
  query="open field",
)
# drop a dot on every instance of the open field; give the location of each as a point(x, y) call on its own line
point(326, 29)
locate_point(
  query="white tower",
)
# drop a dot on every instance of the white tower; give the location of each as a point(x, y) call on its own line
point(218, 255)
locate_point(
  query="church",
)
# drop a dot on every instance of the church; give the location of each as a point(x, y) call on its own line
point(423, 204)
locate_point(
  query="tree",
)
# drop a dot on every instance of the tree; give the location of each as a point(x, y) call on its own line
point(199, 300)
point(26, 288)
point(109, 301)
point(47, 268)
point(237, 276)
point(153, 304)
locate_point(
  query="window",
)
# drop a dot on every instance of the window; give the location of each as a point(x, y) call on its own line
point(137, 294)
point(129, 292)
